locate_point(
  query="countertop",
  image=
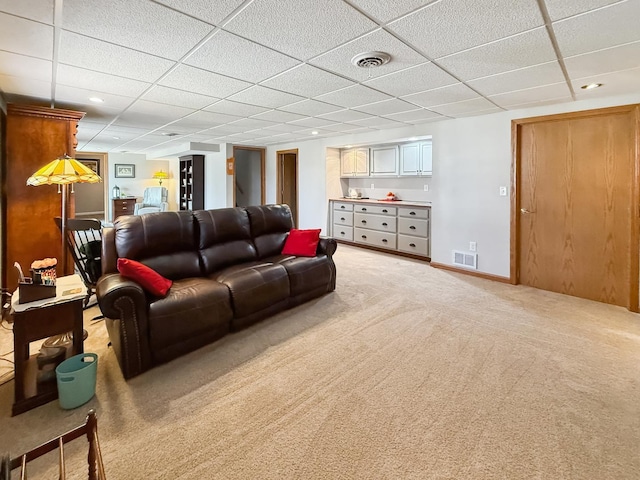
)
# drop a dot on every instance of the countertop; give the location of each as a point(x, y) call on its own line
point(401, 203)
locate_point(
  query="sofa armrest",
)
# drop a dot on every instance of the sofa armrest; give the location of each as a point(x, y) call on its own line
point(327, 246)
point(124, 304)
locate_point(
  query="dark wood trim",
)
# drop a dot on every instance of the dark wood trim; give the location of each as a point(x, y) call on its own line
point(384, 250)
point(44, 112)
point(515, 204)
point(634, 255)
point(579, 114)
point(486, 276)
point(262, 171)
point(279, 180)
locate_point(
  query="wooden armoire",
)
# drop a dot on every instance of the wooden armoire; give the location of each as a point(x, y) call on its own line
point(34, 137)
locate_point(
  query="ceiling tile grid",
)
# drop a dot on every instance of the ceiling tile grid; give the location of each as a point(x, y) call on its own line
point(412, 80)
point(307, 81)
point(26, 37)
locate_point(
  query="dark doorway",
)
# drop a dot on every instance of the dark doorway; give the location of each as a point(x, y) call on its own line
point(248, 176)
point(287, 180)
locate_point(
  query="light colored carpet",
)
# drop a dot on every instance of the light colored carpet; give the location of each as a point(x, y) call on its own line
point(404, 372)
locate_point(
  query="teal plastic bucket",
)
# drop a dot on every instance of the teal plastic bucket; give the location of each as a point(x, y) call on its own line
point(76, 378)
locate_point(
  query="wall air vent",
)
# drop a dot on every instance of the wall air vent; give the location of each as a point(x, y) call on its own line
point(464, 259)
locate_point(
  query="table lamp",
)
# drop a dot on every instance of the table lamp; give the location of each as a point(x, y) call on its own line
point(63, 171)
point(161, 176)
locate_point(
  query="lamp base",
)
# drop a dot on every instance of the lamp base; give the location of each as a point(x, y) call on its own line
point(63, 340)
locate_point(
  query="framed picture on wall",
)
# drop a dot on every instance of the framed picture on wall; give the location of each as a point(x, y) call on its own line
point(125, 170)
point(92, 165)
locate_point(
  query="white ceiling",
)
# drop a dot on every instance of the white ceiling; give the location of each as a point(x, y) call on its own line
point(263, 72)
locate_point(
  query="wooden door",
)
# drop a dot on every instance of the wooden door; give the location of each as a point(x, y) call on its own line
point(576, 182)
point(288, 181)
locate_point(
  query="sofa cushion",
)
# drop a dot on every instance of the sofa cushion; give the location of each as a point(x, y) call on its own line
point(194, 306)
point(305, 273)
point(255, 287)
point(224, 238)
point(162, 241)
point(270, 225)
point(303, 243)
point(149, 279)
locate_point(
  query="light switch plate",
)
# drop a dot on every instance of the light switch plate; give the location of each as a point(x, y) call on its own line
point(503, 191)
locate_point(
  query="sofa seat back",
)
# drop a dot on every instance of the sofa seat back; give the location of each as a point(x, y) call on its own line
point(224, 238)
point(163, 241)
point(270, 225)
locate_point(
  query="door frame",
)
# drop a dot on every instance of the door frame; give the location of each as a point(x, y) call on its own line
point(104, 175)
point(279, 154)
point(634, 209)
point(262, 171)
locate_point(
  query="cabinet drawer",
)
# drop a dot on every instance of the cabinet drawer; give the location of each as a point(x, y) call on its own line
point(344, 207)
point(413, 226)
point(343, 232)
point(415, 245)
point(343, 218)
point(373, 237)
point(376, 222)
point(413, 212)
point(377, 209)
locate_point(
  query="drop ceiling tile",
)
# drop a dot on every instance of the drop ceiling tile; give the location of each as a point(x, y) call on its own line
point(26, 37)
point(222, 130)
point(138, 24)
point(312, 122)
point(566, 8)
point(461, 109)
point(528, 77)
point(252, 123)
point(25, 87)
point(531, 95)
point(205, 10)
point(99, 82)
point(265, 97)
point(414, 116)
point(353, 96)
point(384, 10)
point(339, 59)
point(301, 28)
point(519, 51)
point(235, 108)
point(26, 67)
point(278, 116)
point(412, 80)
point(599, 29)
point(307, 81)
point(90, 128)
point(136, 119)
point(202, 120)
point(539, 103)
point(614, 83)
point(38, 10)
point(200, 81)
point(603, 61)
point(98, 113)
point(162, 110)
point(85, 52)
point(310, 107)
point(81, 96)
point(285, 127)
point(451, 26)
point(172, 96)
point(386, 107)
point(379, 122)
point(344, 116)
point(230, 55)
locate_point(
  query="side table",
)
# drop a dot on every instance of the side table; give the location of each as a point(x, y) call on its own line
point(36, 320)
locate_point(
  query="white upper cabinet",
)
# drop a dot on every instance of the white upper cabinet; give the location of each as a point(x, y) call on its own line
point(354, 162)
point(415, 159)
point(384, 160)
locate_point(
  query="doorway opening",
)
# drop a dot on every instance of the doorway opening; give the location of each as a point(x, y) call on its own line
point(287, 180)
point(248, 176)
point(91, 199)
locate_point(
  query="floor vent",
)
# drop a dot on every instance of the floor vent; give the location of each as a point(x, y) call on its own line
point(464, 259)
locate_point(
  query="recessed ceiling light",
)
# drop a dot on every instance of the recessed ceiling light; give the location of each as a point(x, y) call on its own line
point(590, 86)
point(116, 138)
point(96, 99)
point(348, 146)
point(315, 132)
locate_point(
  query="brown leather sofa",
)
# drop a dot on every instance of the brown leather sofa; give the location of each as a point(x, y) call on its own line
point(227, 273)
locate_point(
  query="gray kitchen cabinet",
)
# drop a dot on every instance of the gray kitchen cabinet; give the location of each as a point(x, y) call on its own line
point(354, 162)
point(384, 160)
point(416, 159)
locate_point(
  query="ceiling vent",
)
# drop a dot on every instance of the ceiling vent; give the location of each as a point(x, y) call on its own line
point(370, 59)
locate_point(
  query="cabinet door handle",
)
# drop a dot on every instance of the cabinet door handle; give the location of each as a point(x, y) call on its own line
point(384, 224)
point(412, 227)
point(384, 240)
point(364, 221)
point(364, 236)
point(412, 244)
point(412, 213)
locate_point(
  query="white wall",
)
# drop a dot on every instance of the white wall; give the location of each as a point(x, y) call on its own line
point(471, 160)
point(215, 179)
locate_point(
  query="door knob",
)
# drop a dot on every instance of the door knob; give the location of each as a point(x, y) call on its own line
point(525, 211)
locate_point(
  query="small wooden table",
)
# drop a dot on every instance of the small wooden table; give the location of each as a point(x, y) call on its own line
point(123, 206)
point(41, 319)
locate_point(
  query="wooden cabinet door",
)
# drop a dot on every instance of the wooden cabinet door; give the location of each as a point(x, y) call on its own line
point(384, 160)
point(361, 161)
point(410, 159)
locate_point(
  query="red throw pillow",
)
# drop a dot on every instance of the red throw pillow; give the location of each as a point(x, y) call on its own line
point(149, 279)
point(302, 243)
